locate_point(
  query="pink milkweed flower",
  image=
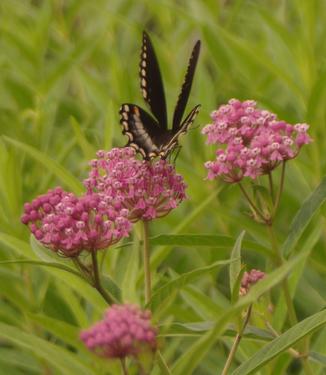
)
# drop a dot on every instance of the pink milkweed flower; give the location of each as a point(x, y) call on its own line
point(148, 189)
point(69, 224)
point(125, 330)
point(254, 141)
point(249, 279)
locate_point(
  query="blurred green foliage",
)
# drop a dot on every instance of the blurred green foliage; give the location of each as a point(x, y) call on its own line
point(66, 66)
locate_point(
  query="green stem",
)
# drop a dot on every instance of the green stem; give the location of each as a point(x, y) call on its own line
point(85, 272)
point(280, 190)
point(123, 366)
point(252, 204)
point(285, 284)
point(293, 352)
point(306, 365)
point(271, 185)
point(146, 260)
point(97, 282)
point(236, 342)
point(162, 363)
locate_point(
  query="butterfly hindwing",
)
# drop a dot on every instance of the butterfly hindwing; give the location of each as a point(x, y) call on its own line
point(151, 81)
point(142, 130)
point(186, 87)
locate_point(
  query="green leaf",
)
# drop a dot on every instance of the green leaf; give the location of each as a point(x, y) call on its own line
point(236, 288)
point(282, 343)
point(18, 359)
point(202, 304)
point(205, 240)
point(62, 360)
point(111, 287)
point(44, 264)
point(87, 148)
point(71, 280)
point(197, 328)
point(66, 177)
point(162, 364)
point(195, 354)
point(235, 266)
point(318, 357)
point(303, 217)
point(160, 295)
point(62, 330)
point(45, 254)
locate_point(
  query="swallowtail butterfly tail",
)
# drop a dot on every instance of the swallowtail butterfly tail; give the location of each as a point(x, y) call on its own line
point(148, 133)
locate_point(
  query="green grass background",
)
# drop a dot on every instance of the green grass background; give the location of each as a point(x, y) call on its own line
point(65, 68)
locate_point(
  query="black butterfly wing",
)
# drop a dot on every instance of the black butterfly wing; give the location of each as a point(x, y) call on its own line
point(142, 129)
point(186, 87)
point(151, 82)
point(182, 129)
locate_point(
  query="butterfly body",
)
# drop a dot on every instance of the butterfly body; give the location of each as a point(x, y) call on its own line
point(149, 134)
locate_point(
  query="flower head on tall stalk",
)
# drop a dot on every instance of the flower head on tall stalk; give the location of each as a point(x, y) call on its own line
point(148, 189)
point(252, 141)
point(249, 279)
point(125, 331)
point(68, 224)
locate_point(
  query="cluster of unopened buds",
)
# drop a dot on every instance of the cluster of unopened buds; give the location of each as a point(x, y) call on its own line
point(149, 190)
point(250, 278)
point(125, 331)
point(69, 224)
point(253, 141)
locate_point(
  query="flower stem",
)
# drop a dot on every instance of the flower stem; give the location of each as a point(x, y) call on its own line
point(293, 352)
point(162, 363)
point(146, 260)
point(252, 204)
point(285, 284)
point(123, 366)
point(280, 190)
point(236, 342)
point(271, 185)
point(97, 282)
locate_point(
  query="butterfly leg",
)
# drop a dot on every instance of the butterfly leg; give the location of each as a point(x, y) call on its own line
point(177, 150)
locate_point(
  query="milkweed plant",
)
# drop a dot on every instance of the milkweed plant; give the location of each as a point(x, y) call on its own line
point(126, 310)
point(121, 190)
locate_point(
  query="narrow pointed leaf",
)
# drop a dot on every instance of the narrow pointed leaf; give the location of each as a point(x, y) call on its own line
point(163, 292)
point(282, 343)
point(304, 216)
point(62, 360)
point(235, 267)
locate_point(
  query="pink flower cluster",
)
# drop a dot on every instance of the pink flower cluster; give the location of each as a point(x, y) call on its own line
point(69, 224)
point(255, 141)
point(249, 279)
point(148, 190)
point(125, 331)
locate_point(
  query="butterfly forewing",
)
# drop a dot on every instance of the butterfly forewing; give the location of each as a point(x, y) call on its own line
point(173, 142)
point(151, 82)
point(190, 118)
point(186, 87)
point(142, 130)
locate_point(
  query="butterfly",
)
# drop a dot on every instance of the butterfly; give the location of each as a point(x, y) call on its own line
point(148, 133)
